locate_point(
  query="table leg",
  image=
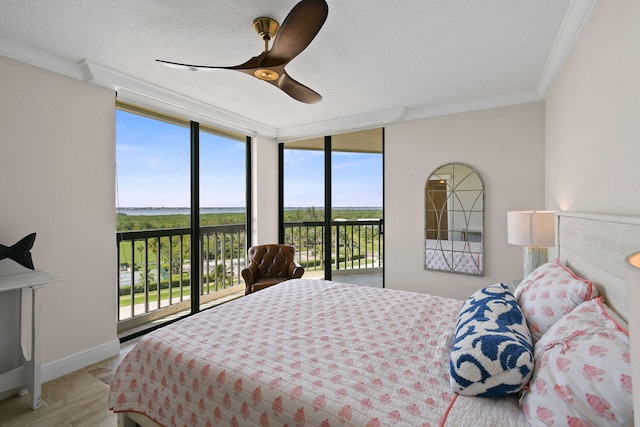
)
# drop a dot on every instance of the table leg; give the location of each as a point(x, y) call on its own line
point(34, 381)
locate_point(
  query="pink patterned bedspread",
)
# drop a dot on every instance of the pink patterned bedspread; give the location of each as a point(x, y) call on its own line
point(461, 256)
point(302, 353)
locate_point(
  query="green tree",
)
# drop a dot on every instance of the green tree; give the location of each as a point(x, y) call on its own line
point(140, 248)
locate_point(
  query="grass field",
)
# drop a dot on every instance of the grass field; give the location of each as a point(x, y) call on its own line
point(125, 300)
point(126, 222)
point(138, 259)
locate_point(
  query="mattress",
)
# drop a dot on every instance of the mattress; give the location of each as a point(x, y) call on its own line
point(306, 353)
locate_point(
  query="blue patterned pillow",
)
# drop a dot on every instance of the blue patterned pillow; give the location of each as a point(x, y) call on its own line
point(492, 352)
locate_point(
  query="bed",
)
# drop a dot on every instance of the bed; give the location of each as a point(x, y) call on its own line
point(313, 352)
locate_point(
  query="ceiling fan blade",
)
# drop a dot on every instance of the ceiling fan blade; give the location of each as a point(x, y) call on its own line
point(298, 29)
point(297, 90)
point(250, 65)
point(190, 66)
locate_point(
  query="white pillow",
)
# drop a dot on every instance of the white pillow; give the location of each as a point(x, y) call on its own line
point(582, 374)
point(548, 293)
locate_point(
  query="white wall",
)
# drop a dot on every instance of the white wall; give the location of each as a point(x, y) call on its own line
point(505, 145)
point(57, 159)
point(593, 127)
point(593, 117)
point(264, 191)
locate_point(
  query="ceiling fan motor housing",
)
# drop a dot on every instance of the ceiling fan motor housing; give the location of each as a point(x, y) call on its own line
point(266, 28)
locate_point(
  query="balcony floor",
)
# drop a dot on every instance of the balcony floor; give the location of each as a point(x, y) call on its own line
point(370, 278)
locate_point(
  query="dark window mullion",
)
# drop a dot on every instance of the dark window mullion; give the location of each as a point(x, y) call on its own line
point(327, 209)
point(195, 218)
point(281, 193)
point(248, 195)
point(381, 229)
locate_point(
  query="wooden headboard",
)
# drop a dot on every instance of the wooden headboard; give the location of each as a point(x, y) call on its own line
point(595, 247)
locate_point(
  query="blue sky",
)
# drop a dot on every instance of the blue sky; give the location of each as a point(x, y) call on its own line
point(356, 179)
point(152, 160)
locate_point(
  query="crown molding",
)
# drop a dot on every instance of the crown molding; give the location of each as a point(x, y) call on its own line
point(145, 94)
point(504, 100)
point(341, 125)
point(382, 118)
point(577, 15)
point(39, 59)
point(135, 90)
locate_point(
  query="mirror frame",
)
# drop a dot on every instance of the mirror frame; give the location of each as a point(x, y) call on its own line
point(449, 253)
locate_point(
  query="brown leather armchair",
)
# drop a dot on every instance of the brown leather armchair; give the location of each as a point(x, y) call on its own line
point(270, 265)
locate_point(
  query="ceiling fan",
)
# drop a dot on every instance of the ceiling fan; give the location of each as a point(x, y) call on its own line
point(297, 31)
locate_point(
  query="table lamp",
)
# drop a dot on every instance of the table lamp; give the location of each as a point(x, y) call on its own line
point(633, 295)
point(535, 230)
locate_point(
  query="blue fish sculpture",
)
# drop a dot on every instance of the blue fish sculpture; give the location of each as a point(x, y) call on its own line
point(20, 251)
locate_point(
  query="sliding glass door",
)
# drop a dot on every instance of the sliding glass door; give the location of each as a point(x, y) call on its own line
point(152, 195)
point(356, 207)
point(304, 203)
point(222, 213)
point(333, 204)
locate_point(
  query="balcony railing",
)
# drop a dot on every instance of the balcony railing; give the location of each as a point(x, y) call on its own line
point(155, 269)
point(356, 244)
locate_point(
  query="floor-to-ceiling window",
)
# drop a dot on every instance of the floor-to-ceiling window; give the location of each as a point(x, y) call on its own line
point(181, 214)
point(332, 207)
point(304, 202)
point(356, 203)
point(223, 211)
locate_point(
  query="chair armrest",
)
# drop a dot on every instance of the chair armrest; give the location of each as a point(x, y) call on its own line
point(295, 270)
point(249, 274)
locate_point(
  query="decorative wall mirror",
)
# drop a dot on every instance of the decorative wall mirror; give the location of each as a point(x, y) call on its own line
point(454, 220)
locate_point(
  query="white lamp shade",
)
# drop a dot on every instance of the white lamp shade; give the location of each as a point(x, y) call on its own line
point(531, 228)
point(633, 296)
point(634, 262)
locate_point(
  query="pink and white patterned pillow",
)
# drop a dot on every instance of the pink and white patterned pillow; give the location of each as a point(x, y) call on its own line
point(548, 293)
point(582, 374)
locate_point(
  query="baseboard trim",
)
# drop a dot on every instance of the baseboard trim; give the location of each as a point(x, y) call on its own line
point(62, 367)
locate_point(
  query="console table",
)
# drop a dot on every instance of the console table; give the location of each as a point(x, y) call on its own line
point(28, 283)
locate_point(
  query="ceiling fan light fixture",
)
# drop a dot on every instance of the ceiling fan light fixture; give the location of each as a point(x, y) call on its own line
point(266, 74)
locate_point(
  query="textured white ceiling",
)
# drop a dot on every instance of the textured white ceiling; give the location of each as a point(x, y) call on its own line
point(373, 61)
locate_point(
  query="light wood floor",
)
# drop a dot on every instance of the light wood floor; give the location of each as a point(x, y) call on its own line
point(78, 399)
